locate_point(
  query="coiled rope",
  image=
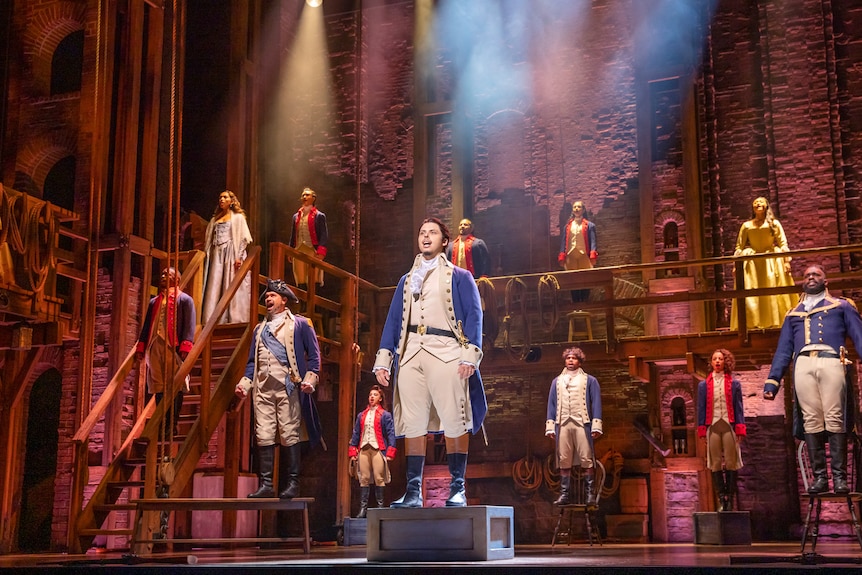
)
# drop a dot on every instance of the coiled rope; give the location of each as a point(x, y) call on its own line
point(549, 283)
point(490, 316)
point(516, 291)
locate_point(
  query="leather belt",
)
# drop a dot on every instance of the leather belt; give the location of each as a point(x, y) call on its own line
point(423, 329)
point(820, 353)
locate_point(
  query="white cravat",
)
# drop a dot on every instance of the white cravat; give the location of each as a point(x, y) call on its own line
point(810, 300)
point(420, 273)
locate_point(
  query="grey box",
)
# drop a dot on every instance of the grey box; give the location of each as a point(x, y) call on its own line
point(473, 533)
point(722, 528)
point(354, 531)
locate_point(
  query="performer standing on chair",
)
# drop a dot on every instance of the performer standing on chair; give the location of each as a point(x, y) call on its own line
point(282, 372)
point(721, 423)
point(372, 446)
point(814, 333)
point(433, 335)
point(575, 421)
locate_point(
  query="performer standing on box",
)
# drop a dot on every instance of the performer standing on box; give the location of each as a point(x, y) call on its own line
point(578, 249)
point(433, 336)
point(309, 235)
point(282, 372)
point(372, 446)
point(574, 422)
point(469, 252)
point(814, 333)
point(721, 423)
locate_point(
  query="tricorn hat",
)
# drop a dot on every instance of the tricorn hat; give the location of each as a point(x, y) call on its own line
point(281, 288)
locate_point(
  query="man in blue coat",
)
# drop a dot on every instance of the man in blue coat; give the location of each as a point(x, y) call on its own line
point(433, 337)
point(814, 334)
point(574, 420)
point(282, 372)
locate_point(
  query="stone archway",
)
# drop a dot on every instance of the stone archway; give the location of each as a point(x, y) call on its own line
point(40, 463)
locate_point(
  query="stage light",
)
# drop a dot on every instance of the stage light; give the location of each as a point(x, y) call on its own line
point(314, 3)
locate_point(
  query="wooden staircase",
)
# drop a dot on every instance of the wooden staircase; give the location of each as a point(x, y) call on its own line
point(215, 363)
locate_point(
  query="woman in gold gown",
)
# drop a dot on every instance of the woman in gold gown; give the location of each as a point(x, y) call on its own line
point(759, 235)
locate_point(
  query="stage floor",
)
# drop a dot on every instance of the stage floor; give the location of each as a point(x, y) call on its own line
point(627, 559)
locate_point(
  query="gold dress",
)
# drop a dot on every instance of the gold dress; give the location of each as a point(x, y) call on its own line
point(763, 311)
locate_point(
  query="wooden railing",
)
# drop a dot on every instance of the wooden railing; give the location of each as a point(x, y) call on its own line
point(150, 420)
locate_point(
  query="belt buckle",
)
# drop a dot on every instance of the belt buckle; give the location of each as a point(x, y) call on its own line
point(420, 329)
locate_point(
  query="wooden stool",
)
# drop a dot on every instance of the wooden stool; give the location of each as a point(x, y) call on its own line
point(574, 333)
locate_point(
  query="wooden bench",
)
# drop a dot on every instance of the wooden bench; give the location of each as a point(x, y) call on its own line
point(142, 540)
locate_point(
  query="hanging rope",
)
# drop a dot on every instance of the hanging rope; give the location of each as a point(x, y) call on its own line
point(516, 291)
point(39, 244)
point(548, 283)
point(552, 472)
point(491, 319)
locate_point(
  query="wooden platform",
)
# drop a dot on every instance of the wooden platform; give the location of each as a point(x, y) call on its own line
point(143, 540)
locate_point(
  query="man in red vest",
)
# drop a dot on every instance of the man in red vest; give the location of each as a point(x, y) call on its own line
point(469, 252)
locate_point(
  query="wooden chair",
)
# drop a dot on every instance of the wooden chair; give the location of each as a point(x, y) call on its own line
point(565, 521)
point(811, 525)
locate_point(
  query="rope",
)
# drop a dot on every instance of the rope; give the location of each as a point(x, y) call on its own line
point(516, 285)
point(527, 475)
point(549, 282)
point(39, 250)
point(490, 316)
point(613, 462)
point(552, 472)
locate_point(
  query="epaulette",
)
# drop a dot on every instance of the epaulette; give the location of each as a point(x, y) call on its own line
point(850, 301)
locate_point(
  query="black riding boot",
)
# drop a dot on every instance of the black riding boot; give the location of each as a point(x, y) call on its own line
point(565, 497)
point(413, 495)
point(290, 457)
point(457, 469)
point(265, 456)
point(378, 494)
point(363, 501)
point(720, 489)
point(838, 455)
point(730, 489)
point(592, 495)
point(817, 457)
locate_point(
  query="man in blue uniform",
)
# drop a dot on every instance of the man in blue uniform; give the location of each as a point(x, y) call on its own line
point(282, 372)
point(814, 333)
point(433, 337)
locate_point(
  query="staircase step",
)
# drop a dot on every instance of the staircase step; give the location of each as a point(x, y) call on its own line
point(127, 483)
point(107, 508)
point(101, 531)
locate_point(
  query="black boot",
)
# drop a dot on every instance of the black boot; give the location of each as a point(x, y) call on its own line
point(591, 498)
point(265, 456)
point(413, 496)
point(838, 455)
point(565, 497)
point(817, 457)
point(720, 489)
point(457, 470)
point(378, 494)
point(290, 456)
point(363, 501)
point(730, 489)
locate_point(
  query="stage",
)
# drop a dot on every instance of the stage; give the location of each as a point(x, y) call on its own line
point(627, 559)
